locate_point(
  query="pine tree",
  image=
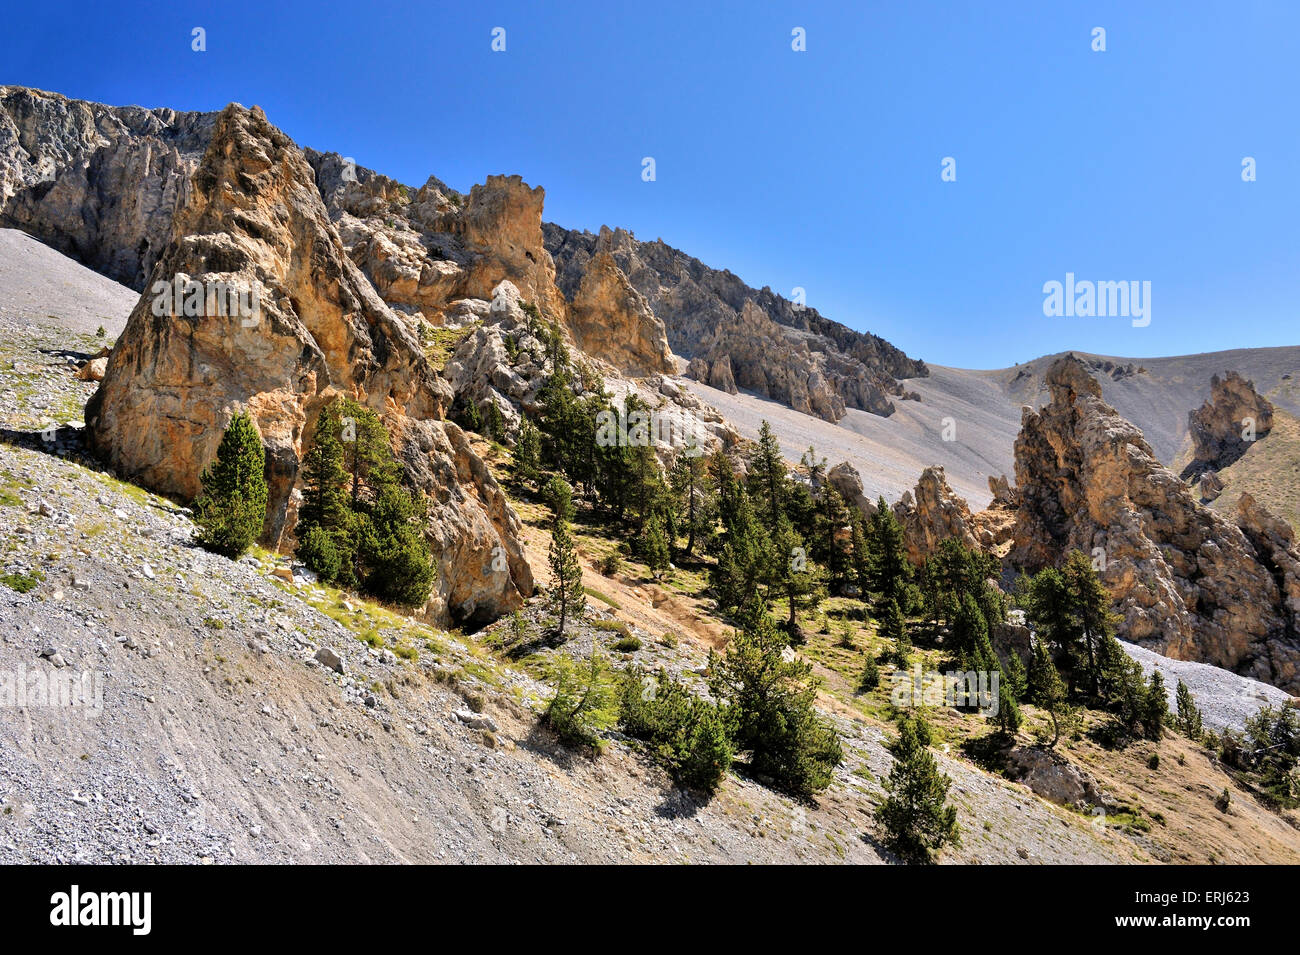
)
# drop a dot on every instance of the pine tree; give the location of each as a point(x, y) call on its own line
point(1189, 717)
point(528, 454)
point(653, 545)
point(970, 632)
point(767, 479)
point(894, 629)
point(1155, 708)
point(1092, 609)
point(861, 555)
point(890, 569)
point(358, 526)
point(832, 518)
point(1014, 675)
point(1008, 715)
point(745, 555)
point(232, 505)
point(870, 678)
point(1045, 688)
point(793, 576)
point(694, 498)
point(567, 597)
point(771, 697)
point(494, 423)
point(325, 519)
point(915, 815)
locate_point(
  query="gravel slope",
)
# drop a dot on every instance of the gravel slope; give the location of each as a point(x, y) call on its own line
point(38, 283)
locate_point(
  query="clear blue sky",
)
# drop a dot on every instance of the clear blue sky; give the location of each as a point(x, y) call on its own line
point(818, 169)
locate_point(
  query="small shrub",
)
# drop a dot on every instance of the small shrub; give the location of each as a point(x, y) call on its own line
point(23, 583)
point(584, 704)
point(1154, 761)
point(629, 644)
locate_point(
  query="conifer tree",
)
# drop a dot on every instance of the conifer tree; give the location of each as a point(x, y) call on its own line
point(358, 526)
point(771, 697)
point(861, 555)
point(1155, 708)
point(232, 505)
point(833, 517)
point(528, 454)
point(325, 519)
point(1014, 675)
point(1091, 606)
point(653, 546)
point(894, 629)
point(694, 497)
point(745, 555)
point(890, 569)
point(1189, 717)
point(567, 598)
point(915, 816)
point(870, 678)
point(767, 479)
point(1045, 688)
point(793, 576)
point(1008, 715)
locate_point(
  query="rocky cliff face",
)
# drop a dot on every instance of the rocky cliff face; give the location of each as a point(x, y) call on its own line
point(255, 221)
point(932, 513)
point(744, 337)
point(428, 251)
point(612, 319)
point(1185, 581)
point(1224, 427)
point(98, 183)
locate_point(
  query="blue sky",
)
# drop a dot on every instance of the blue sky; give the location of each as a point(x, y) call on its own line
point(817, 169)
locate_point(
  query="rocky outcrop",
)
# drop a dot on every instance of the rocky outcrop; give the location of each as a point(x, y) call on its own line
point(1055, 778)
point(1226, 425)
point(255, 221)
point(845, 478)
point(1185, 581)
point(500, 362)
point(612, 321)
point(502, 228)
point(751, 352)
point(99, 183)
point(703, 311)
point(931, 514)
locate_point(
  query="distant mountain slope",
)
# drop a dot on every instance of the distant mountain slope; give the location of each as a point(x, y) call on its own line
point(981, 411)
point(743, 338)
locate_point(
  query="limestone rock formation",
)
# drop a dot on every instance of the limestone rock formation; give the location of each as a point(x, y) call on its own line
point(845, 478)
point(1224, 427)
point(753, 353)
point(1185, 581)
point(255, 221)
point(931, 514)
point(804, 359)
point(611, 320)
point(98, 183)
point(502, 227)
